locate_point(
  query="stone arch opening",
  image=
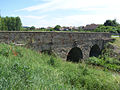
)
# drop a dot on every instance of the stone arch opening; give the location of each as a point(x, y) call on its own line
point(75, 55)
point(95, 51)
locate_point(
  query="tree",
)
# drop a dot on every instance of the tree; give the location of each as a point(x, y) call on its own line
point(57, 27)
point(7, 23)
point(18, 24)
point(10, 23)
point(115, 23)
point(3, 25)
point(13, 23)
point(32, 28)
point(111, 23)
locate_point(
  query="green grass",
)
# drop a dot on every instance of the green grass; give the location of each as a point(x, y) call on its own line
point(24, 69)
point(117, 41)
point(106, 63)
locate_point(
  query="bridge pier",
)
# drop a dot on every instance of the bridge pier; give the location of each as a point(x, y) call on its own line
point(86, 51)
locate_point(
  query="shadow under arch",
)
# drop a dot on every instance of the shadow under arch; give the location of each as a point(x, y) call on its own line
point(95, 51)
point(75, 55)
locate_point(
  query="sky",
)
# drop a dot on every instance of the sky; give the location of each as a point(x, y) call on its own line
point(44, 13)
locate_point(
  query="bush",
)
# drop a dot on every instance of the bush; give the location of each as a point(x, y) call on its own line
point(107, 63)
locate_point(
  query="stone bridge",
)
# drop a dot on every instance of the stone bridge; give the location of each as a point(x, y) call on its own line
point(71, 46)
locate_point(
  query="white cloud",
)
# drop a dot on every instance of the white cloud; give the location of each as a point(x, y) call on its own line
point(73, 20)
point(103, 10)
point(33, 17)
point(38, 7)
point(73, 4)
point(77, 20)
point(33, 20)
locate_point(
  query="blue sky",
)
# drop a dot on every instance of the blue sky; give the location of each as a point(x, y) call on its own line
point(44, 13)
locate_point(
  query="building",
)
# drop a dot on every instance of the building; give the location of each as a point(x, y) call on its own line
point(91, 26)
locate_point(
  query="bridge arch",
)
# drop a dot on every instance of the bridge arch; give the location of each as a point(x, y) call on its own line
point(95, 51)
point(75, 55)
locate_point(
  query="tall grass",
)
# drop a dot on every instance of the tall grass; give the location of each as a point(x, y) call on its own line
point(24, 69)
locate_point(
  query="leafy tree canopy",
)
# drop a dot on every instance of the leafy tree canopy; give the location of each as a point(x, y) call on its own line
point(57, 27)
point(10, 23)
point(32, 28)
point(111, 23)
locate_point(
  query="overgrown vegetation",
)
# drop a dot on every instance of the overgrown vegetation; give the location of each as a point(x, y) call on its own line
point(109, 59)
point(23, 69)
point(106, 62)
point(102, 28)
point(117, 42)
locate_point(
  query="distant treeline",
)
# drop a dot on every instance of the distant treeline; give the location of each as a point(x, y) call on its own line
point(10, 23)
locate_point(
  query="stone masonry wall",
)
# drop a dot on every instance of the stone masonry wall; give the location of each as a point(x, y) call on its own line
point(58, 42)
